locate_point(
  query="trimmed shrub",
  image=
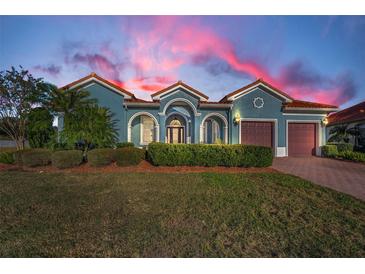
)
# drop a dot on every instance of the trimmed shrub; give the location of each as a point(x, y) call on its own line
point(329, 151)
point(7, 157)
point(129, 156)
point(36, 157)
point(67, 158)
point(160, 154)
point(100, 157)
point(343, 146)
point(124, 144)
point(352, 156)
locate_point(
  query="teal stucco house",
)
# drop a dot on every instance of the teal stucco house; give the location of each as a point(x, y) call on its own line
point(257, 114)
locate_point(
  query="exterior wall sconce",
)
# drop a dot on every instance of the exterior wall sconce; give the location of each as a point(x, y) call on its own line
point(325, 121)
point(237, 118)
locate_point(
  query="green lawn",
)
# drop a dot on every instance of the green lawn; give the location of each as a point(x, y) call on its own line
point(176, 215)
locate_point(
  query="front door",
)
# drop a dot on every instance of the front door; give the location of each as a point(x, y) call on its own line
point(175, 135)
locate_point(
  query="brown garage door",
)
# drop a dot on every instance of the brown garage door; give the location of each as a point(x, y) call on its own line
point(257, 133)
point(301, 139)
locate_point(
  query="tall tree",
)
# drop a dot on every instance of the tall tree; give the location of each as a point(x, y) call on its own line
point(19, 93)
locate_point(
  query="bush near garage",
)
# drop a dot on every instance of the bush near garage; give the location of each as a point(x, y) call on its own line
point(329, 151)
point(343, 146)
point(101, 157)
point(36, 157)
point(67, 158)
point(160, 154)
point(129, 156)
point(352, 156)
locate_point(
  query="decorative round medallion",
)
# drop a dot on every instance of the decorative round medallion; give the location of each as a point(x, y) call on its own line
point(258, 102)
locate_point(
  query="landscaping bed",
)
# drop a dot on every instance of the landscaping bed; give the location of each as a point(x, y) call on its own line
point(143, 166)
point(176, 215)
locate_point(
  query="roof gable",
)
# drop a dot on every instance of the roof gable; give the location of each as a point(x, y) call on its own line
point(93, 77)
point(166, 91)
point(251, 87)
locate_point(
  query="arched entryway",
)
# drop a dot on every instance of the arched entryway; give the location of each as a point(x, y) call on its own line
point(143, 128)
point(214, 129)
point(176, 129)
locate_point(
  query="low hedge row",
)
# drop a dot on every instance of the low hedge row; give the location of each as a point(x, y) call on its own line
point(161, 154)
point(70, 158)
point(129, 156)
point(100, 157)
point(36, 157)
point(67, 158)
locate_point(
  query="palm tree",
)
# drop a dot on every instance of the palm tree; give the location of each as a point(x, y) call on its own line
point(66, 101)
point(339, 134)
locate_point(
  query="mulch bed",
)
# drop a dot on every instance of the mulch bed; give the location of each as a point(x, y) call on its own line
point(144, 166)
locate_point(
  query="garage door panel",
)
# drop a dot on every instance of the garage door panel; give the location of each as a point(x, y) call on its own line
point(301, 139)
point(257, 133)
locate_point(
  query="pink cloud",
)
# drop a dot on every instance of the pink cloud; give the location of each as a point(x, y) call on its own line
point(162, 45)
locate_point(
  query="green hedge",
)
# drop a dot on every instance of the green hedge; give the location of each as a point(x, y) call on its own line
point(7, 157)
point(129, 156)
point(352, 155)
point(343, 146)
point(160, 154)
point(100, 157)
point(329, 150)
point(36, 157)
point(67, 158)
point(125, 144)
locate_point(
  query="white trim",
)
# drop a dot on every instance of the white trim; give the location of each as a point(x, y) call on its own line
point(251, 89)
point(157, 126)
point(103, 84)
point(305, 114)
point(157, 97)
point(318, 133)
point(281, 152)
point(225, 138)
point(196, 113)
point(275, 121)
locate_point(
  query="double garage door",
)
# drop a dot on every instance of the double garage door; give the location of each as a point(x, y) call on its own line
point(301, 136)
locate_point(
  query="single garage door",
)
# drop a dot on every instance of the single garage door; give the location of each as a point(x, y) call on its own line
point(257, 133)
point(301, 139)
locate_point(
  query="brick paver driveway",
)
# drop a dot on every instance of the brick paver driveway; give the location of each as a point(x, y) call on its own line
point(342, 176)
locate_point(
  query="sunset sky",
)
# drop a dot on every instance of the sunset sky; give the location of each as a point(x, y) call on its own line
point(312, 58)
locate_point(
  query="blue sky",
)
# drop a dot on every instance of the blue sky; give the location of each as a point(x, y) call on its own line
point(315, 58)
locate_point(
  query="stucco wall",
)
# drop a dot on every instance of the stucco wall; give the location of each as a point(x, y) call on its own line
point(272, 110)
point(114, 101)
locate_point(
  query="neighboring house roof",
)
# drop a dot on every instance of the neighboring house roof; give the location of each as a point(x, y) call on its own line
point(348, 115)
point(96, 78)
point(200, 95)
point(298, 104)
point(250, 87)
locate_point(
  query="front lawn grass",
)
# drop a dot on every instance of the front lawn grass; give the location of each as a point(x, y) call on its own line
point(176, 215)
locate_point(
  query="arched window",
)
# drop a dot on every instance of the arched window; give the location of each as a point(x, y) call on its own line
point(175, 123)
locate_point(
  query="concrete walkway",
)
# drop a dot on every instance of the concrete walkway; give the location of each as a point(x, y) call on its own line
point(342, 176)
